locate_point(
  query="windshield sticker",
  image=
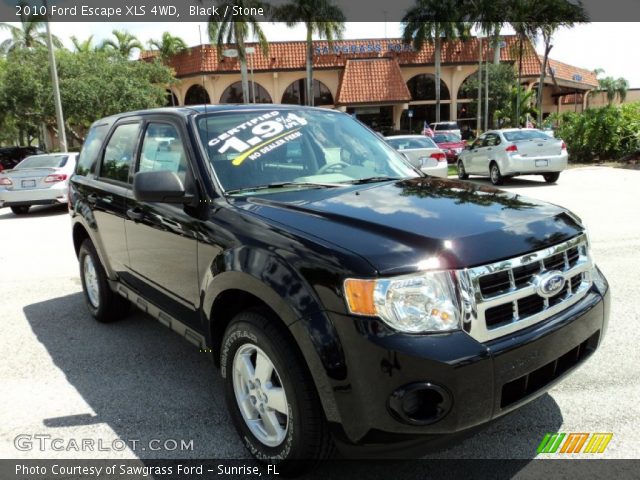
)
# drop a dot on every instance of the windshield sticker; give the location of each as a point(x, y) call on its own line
point(259, 135)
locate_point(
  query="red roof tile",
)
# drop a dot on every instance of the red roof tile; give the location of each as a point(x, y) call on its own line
point(291, 56)
point(564, 71)
point(372, 81)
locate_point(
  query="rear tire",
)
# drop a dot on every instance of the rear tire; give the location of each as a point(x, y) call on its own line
point(20, 209)
point(253, 345)
point(103, 303)
point(495, 175)
point(551, 177)
point(462, 173)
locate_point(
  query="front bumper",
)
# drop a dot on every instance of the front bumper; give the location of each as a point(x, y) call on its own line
point(484, 381)
point(57, 193)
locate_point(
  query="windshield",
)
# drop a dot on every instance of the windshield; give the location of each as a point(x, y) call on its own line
point(308, 147)
point(43, 161)
point(407, 143)
point(528, 134)
point(446, 137)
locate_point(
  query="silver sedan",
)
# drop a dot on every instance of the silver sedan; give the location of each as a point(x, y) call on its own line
point(37, 180)
point(422, 153)
point(514, 151)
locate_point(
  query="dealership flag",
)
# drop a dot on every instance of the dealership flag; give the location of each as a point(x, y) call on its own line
point(427, 130)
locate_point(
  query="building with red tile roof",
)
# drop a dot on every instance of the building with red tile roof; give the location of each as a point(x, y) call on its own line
point(378, 80)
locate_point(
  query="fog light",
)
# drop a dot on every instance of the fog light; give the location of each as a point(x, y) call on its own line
point(421, 403)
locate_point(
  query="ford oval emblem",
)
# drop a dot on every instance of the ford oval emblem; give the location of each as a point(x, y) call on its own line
point(549, 284)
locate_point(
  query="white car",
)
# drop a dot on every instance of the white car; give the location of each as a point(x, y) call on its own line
point(514, 151)
point(422, 152)
point(446, 127)
point(37, 180)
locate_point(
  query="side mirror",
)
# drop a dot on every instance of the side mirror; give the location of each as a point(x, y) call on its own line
point(162, 186)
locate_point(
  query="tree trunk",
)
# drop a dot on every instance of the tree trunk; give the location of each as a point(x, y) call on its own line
point(520, 48)
point(245, 80)
point(547, 50)
point(496, 49)
point(309, 92)
point(438, 53)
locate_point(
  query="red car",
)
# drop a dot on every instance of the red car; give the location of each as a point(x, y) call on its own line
point(451, 144)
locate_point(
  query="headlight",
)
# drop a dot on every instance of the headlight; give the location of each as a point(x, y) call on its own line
point(417, 303)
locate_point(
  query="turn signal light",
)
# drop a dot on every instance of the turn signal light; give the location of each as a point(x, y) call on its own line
point(5, 181)
point(359, 295)
point(564, 146)
point(55, 177)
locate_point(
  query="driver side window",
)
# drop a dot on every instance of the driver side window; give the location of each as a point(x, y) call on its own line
point(162, 150)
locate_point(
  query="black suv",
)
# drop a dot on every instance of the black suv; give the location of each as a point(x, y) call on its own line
point(347, 298)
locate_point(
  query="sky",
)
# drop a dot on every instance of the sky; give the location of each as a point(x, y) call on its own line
point(609, 46)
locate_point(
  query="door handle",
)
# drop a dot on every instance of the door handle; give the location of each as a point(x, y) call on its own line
point(489, 148)
point(135, 214)
point(92, 198)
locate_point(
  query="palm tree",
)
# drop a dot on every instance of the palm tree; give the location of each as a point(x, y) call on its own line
point(321, 18)
point(167, 46)
point(234, 30)
point(123, 44)
point(613, 88)
point(432, 21)
point(553, 15)
point(30, 34)
point(83, 46)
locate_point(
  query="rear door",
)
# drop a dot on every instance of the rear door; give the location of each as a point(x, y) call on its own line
point(105, 186)
point(161, 237)
point(473, 163)
point(490, 152)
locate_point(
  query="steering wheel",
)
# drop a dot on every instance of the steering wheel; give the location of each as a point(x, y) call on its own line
point(334, 167)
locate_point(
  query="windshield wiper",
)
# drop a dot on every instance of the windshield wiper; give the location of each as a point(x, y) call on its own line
point(362, 181)
point(269, 186)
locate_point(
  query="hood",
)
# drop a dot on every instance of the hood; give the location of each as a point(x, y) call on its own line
point(397, 226)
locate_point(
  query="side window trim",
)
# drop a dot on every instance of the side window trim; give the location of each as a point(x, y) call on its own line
point(103, 150)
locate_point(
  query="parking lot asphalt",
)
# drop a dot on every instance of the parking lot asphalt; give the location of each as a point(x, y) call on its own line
point(66, 376)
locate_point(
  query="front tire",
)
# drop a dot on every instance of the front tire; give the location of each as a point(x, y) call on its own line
point(271, 396)
point(495, 175)
point(462, 173)
point(551, 177)
point(20, 209)
point(103, 304)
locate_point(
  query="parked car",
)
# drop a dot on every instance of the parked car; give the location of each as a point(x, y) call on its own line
point(11, 156)
point(446, 127)
point(37, 180)
point(510, 152)
point(422, 153)
point(451, 144)
point(348, 299)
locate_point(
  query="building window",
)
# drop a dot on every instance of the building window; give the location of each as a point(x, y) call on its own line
point(296, 93)
point(423, 87)
point(196, 95)
point(233, 94)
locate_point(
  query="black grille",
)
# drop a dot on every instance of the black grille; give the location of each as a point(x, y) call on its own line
point(554, 262)
point(524, 386)
point(575, 282)
point(495, 283)
point(573, 254)
point(558, 297)
point(522, 275)
point(498, 315)
point(530, 305)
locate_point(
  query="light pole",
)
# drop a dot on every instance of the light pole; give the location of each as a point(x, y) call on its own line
point(486, 94)
point(62, 136)
point(479, 108)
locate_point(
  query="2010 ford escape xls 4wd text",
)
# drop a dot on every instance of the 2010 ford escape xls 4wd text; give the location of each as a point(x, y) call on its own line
point(347, 298)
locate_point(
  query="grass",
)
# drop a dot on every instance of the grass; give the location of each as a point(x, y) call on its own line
point(452, 170)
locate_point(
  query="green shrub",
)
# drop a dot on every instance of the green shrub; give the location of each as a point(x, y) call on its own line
point(608, 133)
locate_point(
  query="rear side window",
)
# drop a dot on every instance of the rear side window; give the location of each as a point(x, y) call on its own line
point(119, 152)
point(91, 150)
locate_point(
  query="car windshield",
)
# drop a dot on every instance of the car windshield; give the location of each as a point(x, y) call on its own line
point(528, 134)
point(43, 161)
point(269, 149)
point(411, 142)
point(446, 137)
